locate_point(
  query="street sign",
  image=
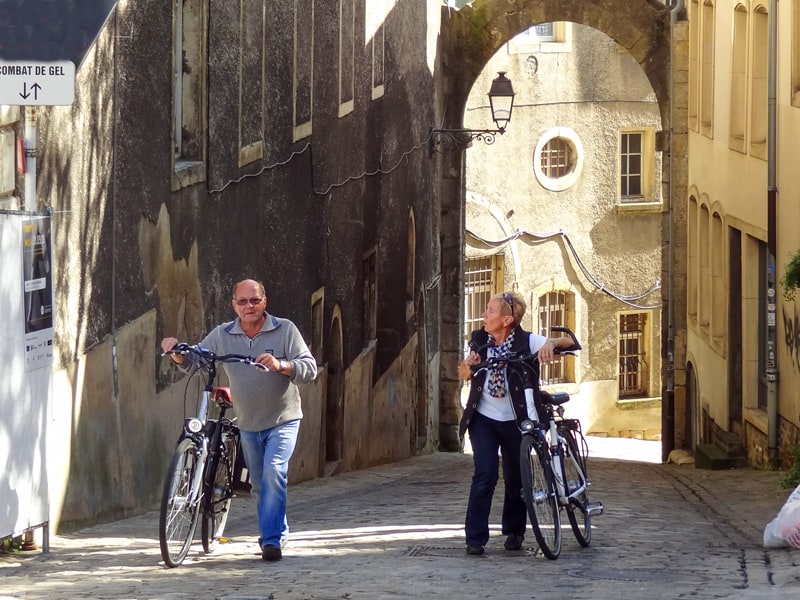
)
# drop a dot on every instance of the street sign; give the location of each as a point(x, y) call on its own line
point(37, 83)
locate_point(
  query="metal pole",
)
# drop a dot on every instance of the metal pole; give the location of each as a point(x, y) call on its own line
point(30, 158)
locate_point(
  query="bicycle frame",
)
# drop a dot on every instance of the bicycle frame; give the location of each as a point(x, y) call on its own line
point(557, 456)
point(195, 487)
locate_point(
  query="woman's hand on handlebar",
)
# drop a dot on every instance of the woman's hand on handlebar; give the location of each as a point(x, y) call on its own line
point(548, 351)
point(465, 366)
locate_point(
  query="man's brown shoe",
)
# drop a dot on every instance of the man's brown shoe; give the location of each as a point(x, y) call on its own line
point(269, 552)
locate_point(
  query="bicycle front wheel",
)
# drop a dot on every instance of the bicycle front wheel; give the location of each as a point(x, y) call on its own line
point(178, 518)
point(219, 493)
point(575, 478)
point(539, 491)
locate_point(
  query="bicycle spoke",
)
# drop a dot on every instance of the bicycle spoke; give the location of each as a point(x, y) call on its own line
point(539, 491)
point(178, 517)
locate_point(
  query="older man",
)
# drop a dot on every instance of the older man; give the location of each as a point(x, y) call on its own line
point(267, 405)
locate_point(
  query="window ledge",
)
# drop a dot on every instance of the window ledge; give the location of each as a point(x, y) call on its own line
point(638, 403)
point(187, 173)
point(639, 207)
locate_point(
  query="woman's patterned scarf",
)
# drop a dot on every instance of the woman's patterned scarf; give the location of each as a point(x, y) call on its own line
point(497, 380)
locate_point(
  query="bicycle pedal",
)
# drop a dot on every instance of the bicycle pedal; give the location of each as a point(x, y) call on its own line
point(594, 509)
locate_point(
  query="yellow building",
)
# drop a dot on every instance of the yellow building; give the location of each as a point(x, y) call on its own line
point(743, 364)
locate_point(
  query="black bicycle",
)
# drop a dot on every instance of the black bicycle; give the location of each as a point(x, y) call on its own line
point(553, 456)
point(200, 479)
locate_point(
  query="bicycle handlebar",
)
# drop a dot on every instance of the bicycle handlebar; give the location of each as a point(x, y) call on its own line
point(206, 355)
point(524, 357)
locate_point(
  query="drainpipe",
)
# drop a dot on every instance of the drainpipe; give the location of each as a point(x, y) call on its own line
point(668, 409)
point(772, 192)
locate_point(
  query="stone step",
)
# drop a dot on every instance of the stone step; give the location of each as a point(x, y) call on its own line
point(728, 442)
point(712, 457)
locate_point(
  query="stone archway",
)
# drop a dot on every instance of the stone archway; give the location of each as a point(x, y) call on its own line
point(658, 40)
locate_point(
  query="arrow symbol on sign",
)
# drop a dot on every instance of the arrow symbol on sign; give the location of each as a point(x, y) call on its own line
point(34, 88)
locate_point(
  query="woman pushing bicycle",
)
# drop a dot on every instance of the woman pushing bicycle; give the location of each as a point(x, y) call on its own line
point(267, 404)
point(495, 409)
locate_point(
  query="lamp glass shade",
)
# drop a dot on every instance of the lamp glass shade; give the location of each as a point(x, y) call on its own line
point(501, 100)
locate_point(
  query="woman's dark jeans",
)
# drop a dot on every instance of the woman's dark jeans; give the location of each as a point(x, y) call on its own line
point(486, 436)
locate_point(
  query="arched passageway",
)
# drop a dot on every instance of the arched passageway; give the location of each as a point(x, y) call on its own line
point(650, 32)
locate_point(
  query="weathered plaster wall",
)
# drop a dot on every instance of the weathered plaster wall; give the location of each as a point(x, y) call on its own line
point(136, 248)
point(380, 421)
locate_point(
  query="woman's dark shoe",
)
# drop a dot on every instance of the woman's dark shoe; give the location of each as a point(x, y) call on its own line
point(514, 542)
point(475, 550)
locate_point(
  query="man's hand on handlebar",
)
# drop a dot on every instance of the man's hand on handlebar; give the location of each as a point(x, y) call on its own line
point(168, 344)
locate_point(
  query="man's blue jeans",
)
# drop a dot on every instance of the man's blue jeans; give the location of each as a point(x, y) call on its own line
point(267, 455)
point(486, 436)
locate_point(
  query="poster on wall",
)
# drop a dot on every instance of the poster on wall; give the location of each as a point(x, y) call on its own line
point(37, 285)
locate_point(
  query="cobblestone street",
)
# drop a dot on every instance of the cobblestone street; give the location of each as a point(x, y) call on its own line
point(396, 531)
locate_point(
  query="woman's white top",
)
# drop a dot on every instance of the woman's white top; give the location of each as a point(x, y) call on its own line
point(500, 409)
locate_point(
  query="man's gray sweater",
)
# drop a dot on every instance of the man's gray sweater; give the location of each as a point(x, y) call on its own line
point(262, 400)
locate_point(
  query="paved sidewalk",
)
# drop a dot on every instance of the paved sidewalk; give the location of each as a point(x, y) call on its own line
point(396, 532)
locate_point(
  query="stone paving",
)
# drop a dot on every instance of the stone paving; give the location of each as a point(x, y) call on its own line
point(396, 531)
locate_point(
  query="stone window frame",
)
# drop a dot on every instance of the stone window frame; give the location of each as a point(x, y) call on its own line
point(190, 92)
point(252, 54)
point(759, 73)
point(347, 54)
point(739, 66)
point(795, 54)
point(645, 346)
point(377, 14)
point(524, 43)
point(303, 16)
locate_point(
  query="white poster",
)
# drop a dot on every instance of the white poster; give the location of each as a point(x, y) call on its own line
point(37, 285)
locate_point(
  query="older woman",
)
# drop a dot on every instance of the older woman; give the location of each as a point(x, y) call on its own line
point(492, 417)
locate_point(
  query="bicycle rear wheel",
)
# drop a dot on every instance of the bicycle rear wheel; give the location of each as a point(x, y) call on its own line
point(575, 476)
point(219, 493)
point(539, 491)
point(178, 518)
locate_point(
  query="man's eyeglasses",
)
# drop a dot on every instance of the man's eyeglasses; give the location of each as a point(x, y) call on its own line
point(246, 301)
point(510, 301)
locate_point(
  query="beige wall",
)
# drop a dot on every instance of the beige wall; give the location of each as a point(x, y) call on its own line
point(735, 185)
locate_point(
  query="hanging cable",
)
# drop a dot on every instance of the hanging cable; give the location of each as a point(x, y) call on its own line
point(628, 299)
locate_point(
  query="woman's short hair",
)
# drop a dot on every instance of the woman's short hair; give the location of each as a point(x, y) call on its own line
point(511, 303)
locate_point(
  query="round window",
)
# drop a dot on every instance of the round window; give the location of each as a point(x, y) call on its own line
point(558, 159)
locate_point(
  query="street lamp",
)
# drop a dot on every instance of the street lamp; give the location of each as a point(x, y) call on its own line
point(501, 102)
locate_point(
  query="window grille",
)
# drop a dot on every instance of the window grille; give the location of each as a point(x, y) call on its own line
point(556, 158)
point(632, 355)
point(482, 279)
point(552, 313)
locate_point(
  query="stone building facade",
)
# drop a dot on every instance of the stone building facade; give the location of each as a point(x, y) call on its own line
point(210, 142)
point(566, 207)
point(743, 210)
point(287, 141)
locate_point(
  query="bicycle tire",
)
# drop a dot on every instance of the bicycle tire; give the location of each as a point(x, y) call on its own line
point(178, 519)
point(574, 470)
point(219, 493)
point(539, 492)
